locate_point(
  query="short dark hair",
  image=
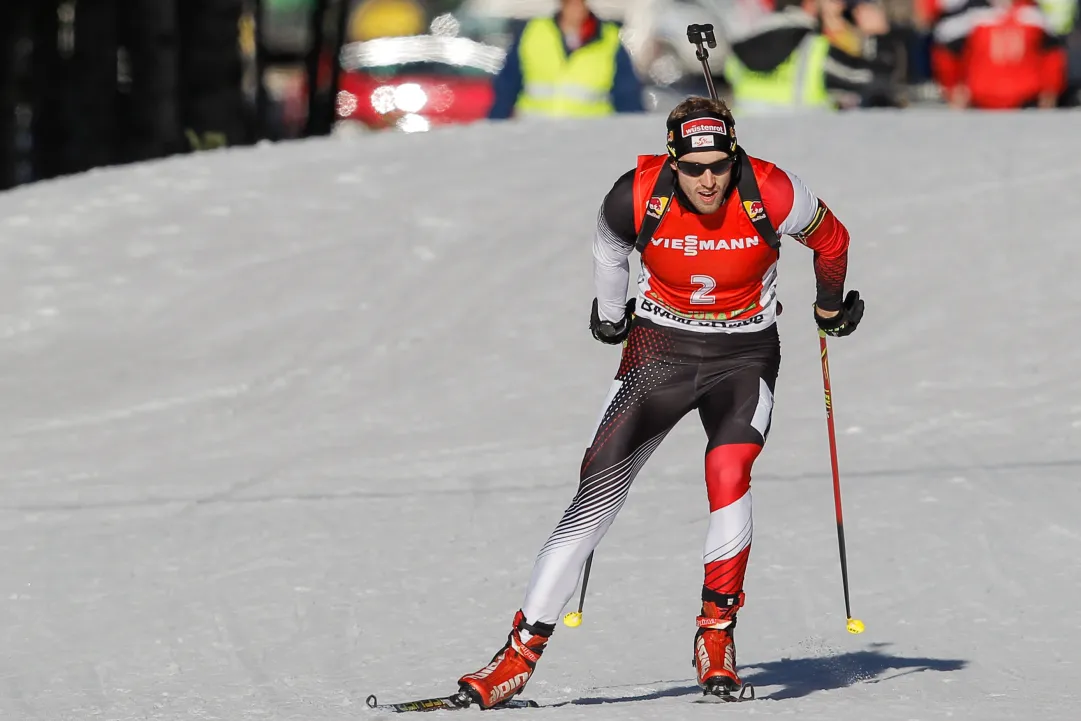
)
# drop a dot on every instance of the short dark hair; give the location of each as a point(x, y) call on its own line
point(695, 104)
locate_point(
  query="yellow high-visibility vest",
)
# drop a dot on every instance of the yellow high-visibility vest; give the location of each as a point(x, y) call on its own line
point(798, 82)
point(557, 85)
point(1060, 14)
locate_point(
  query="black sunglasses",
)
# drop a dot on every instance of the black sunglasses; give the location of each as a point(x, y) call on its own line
point(696, 169)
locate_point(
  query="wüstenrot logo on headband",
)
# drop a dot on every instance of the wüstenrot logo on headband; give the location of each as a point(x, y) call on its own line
point(703, 125)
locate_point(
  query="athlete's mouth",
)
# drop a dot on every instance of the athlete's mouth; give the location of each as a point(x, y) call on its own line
point(709, 195)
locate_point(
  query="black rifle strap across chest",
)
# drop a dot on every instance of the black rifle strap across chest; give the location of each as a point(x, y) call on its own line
point(752, 202)
point(659, 200)
point(747, 185)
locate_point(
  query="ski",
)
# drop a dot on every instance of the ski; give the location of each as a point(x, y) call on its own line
point(454, 702)
point(459, 701)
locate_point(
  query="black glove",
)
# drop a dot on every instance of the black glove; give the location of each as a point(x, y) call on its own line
point(845, 322)
point(607, 332)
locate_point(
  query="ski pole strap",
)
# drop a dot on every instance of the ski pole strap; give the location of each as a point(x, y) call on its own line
point(661, 198)
point(536, 629)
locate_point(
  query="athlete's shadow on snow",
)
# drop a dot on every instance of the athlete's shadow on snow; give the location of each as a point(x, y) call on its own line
point(799, 677)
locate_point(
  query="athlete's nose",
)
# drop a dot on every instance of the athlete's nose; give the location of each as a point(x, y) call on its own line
point(708, 178)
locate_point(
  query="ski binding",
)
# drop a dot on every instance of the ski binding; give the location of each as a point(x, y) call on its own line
point(723, 694)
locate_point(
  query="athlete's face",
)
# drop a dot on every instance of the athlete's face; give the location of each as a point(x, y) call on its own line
point(703, 176)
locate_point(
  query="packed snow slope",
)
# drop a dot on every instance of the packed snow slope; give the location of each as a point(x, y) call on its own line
point(285, 426)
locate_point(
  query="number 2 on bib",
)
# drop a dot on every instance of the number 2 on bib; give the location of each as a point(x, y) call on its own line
point(701, 296)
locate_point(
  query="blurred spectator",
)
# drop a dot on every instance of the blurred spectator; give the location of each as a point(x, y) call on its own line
point(908, 39)
point(868, 16)
point(1005, 56)
point(569, 65)
point(950, 22)
point(787, 62)
point(862, 30)
point(848, 23)
point(1063, 16)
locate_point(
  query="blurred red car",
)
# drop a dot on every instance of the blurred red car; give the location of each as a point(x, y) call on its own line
point(412, 83)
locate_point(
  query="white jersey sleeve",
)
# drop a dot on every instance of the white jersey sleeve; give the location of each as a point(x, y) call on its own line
point(804, 208)
point(611, 270)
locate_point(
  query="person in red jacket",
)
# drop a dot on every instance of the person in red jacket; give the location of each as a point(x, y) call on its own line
point(949, 22)
point(700, 335)
point(1008, 58)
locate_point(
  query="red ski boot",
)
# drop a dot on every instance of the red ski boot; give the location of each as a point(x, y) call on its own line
point(715, 649)
point(511, 667)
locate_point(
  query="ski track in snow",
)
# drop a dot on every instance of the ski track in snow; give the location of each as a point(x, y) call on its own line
point(285, 426)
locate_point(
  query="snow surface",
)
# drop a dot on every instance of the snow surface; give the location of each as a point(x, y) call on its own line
point(285, 426)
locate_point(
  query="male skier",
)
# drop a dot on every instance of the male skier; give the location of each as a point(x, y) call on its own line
point(701, 335)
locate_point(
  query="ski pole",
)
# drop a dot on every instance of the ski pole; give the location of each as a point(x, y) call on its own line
point(574, 618)
point(854, 625)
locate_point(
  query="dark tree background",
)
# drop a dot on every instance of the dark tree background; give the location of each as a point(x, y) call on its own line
point(86, 83)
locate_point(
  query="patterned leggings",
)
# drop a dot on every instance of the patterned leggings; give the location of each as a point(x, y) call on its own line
point(664, 374)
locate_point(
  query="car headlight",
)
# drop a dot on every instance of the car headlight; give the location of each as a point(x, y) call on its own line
point(410, 97)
